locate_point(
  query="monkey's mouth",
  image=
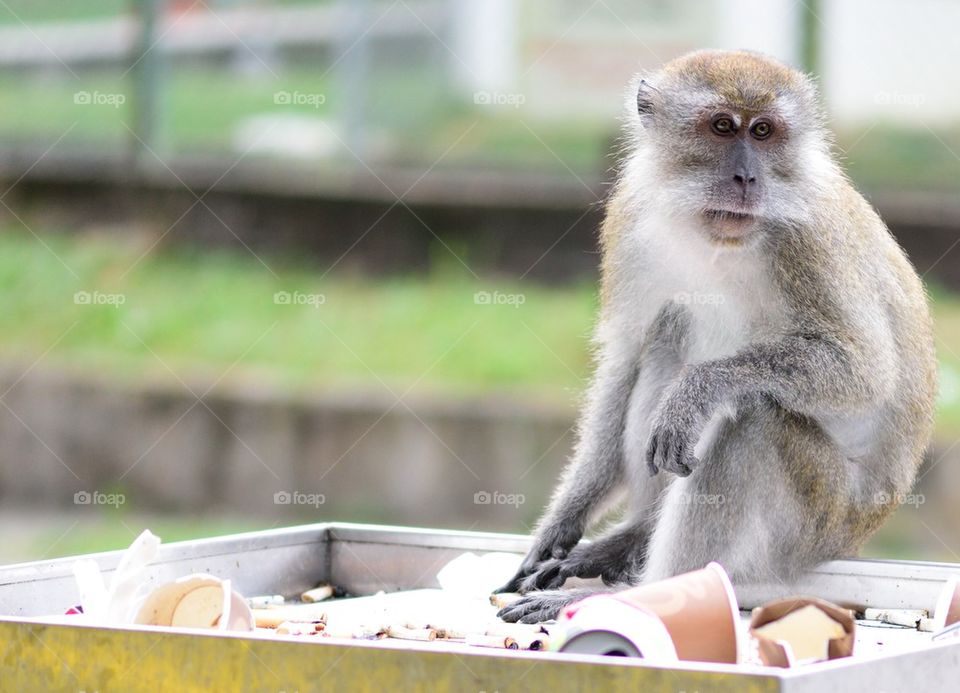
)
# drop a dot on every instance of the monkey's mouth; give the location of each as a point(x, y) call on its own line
point(727, 215)
point(727, 226)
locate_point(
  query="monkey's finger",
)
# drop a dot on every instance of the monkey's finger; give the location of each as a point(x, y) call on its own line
point(683, 460)
point(537, 616)
point(651, 456)
point(690, 463)
point(509, 614)
point(556, 582)
point(541, 578)
point(513, 612)
point(559, 577)
point(677, 460)
point(664, 454)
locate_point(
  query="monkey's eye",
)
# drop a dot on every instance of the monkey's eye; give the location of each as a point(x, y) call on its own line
point(761, 130)
point(723, 125)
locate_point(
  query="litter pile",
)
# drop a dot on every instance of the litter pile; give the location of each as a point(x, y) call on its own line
point(690, 617)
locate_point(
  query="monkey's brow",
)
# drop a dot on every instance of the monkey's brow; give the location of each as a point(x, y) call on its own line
point(739, 110)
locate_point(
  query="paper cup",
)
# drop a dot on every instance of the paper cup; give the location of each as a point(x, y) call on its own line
point(947, 611)
point(603, 625)
point(776, 653)
point(699, 610)
point(196, 601)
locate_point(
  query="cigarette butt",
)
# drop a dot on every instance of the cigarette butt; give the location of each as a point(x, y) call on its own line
point(900, 617)
point(443, 632)
point(271, 618)
point(299, 628)
point(527, 637)
point(403, 633)
point(317, 594)
point(502, 642)
point(264, 601)
point(927, 625)
point(534, 642)
point(506, 599)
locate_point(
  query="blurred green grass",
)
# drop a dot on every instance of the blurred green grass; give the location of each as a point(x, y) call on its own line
point(29, 11)
point(199, 313)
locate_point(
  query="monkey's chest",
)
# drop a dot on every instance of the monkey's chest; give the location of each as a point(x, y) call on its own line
point(726, 310)
point(719, 330)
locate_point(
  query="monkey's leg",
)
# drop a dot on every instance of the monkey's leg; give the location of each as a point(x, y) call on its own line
point(618, 554)
point(614, 428)
point(595, 469)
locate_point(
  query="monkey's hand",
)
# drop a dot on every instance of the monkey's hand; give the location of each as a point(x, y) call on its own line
point(611, 561)
point(677, 426)
point(553, 543)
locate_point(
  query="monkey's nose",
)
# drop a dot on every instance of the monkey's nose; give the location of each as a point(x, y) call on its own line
point(744, 179)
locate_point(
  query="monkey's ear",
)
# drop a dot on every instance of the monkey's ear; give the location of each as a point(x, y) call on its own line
point(645, 98)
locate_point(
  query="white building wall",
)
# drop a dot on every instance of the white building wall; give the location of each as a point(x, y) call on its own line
point(892, 60)
point(771, 27)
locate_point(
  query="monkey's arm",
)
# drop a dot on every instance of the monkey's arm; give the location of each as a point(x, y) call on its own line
point(811, 373)
point(596, 466)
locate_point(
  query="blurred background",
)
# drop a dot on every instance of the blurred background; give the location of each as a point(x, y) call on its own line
point(265, 262)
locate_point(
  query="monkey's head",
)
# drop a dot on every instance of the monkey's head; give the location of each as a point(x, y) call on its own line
point(732, 138)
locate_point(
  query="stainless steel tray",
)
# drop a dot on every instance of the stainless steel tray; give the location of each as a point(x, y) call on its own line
point(365, 559)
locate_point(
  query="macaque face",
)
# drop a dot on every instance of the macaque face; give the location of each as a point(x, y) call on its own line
point(731, 137)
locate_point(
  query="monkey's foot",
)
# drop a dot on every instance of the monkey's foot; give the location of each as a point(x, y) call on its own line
point(537, 607)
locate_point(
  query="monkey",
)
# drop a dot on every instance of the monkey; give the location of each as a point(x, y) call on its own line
point(764, 369)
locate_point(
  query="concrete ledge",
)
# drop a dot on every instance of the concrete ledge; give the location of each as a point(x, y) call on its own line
point(422, 461)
